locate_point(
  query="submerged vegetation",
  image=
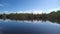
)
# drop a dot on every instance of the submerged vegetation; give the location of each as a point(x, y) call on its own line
point(55, 15)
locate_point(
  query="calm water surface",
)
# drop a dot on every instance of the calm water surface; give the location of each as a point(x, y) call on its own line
point(28, 27)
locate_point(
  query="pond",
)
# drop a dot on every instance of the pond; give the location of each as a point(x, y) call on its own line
point(28, 27)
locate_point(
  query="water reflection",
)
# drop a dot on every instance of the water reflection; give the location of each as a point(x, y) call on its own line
point(28, 27)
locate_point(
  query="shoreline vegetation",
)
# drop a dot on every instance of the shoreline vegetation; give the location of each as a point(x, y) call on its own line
point(54, 15)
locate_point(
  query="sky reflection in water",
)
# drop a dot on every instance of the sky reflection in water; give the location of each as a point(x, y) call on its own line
point(28, 27)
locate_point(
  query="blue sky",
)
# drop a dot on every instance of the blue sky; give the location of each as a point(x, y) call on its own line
point(29, 6)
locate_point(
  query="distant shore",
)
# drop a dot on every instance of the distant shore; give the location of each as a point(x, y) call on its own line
point(53, 15)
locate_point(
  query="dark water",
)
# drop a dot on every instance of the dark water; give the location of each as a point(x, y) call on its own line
point(28, 27)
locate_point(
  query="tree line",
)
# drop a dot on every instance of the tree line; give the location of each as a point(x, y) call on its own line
point(54, 15)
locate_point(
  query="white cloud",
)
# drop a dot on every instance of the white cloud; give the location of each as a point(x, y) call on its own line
point(26, 11)
point(54, 9)
point(1, 5)
point(31, 11)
